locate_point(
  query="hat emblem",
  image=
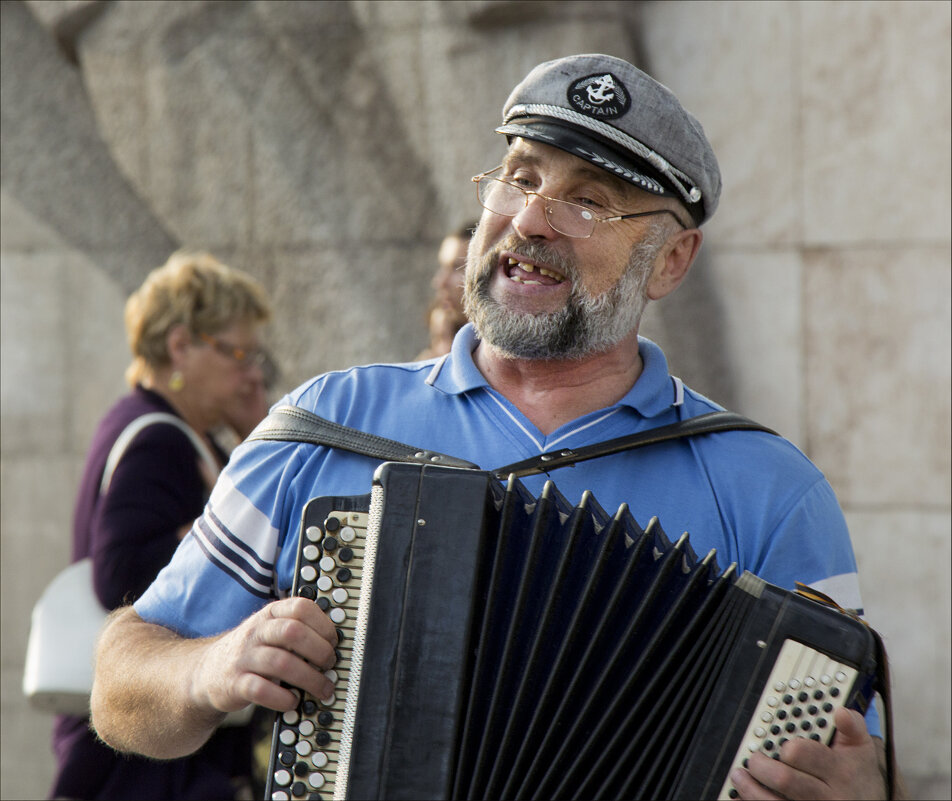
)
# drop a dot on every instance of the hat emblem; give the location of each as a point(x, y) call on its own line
point(601, 95)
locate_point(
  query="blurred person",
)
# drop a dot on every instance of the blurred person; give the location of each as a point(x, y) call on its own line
point(193, 328)
point(445, 315)
point(248, 407)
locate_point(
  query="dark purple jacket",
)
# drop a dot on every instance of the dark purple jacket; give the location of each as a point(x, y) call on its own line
point(131, 533)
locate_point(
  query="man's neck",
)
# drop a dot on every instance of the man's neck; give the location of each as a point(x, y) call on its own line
point(551, 393)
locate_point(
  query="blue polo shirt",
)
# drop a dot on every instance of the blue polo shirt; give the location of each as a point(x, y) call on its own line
point(751, 496)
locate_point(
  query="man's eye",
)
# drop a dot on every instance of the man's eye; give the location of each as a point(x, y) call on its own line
point(588, 202)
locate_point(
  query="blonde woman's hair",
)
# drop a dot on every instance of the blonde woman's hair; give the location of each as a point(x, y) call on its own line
point(193, 289)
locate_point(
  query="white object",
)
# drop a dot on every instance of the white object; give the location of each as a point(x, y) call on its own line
point(67, 618)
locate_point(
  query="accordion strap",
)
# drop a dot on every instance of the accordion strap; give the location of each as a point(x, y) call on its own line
point(702, 424)
point(291, 423)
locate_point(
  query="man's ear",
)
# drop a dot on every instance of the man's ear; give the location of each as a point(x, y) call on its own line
point(673, 263)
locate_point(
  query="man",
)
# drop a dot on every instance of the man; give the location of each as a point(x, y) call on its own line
point(594, 212)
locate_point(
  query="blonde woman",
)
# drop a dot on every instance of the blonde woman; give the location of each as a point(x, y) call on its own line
point(194, 330)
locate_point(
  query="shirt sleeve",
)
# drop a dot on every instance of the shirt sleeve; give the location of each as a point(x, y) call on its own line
point(224, 570)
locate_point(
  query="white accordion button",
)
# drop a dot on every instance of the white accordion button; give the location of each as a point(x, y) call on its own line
point(337, 615)
point(311, 552)
point(339, 595)
point(319, 759)
point(306, 728)
point(282, 777)
point(291, 717)
point(327, 564)
point(308, 573)
point(288, 737)
point(314, 534)
point(347, 534)
point(316, 780)
point(324, 583)
point(303, 748)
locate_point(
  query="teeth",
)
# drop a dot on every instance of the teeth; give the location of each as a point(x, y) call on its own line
point(530, 268)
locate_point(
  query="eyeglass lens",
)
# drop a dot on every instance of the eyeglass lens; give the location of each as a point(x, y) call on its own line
point(501, 197)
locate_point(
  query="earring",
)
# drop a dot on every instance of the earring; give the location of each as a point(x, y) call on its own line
point(176, 381)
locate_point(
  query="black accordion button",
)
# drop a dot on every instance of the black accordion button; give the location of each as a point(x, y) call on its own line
point(324, 603)
point(298, 789)
point(332, 523)
point(325, 718)
point(344, 575)
point(330, 544)
point(308, 708)
point(301, 769)
point(307, 591)
point(322, 738)
point(287, 758)
point(346, 554)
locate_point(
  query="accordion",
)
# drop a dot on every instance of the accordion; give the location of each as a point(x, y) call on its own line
point(494, 644)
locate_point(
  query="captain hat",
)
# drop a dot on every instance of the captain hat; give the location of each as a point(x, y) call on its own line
point(611, 114)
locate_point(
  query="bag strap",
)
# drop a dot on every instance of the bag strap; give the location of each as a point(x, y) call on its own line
point(291, 423)
point(709, 423)
point(130, 431)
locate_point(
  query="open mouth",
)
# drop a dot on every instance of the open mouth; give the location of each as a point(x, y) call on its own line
point(524, 272)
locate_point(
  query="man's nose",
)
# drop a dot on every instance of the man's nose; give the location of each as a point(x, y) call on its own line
point(531, 222)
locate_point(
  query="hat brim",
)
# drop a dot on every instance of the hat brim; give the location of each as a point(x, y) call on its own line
point(587, 147)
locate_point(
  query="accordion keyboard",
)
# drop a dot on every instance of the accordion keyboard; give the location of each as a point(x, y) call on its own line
point(803, 691)
point(329, 571)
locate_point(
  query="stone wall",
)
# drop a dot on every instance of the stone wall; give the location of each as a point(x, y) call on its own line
point(326, 146)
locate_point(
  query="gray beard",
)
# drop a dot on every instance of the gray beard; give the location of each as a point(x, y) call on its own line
point(584, 326)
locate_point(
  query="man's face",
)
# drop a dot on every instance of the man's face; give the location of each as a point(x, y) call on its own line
point(534, 293)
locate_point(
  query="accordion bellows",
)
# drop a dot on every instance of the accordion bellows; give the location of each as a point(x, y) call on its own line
point(499, 645)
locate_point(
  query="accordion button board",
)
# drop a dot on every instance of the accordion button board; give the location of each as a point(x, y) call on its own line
point(800, 696)
point(307, 739)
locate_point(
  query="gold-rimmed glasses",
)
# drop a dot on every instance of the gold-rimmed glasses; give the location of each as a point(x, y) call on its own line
point(571, 219)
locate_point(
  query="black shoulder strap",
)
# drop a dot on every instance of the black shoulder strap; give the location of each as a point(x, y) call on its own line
point(290, 423)
point(702, 424)
point(299, 425)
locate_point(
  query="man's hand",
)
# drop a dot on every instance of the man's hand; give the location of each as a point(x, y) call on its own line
point(162, 695)
point(847, 769)
point(290, 640)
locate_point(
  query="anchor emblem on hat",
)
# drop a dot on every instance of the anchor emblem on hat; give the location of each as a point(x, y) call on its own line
point(601, 90)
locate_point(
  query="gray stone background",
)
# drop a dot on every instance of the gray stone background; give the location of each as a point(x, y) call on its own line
point(326, 146)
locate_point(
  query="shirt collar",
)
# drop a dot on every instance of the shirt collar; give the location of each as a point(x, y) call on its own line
point(456, 372)
point(652, 394)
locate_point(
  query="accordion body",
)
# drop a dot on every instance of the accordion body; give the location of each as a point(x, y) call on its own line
point(499, 645)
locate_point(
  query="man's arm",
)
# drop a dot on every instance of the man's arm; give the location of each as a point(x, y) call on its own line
point(162, 695)
point(853, 767)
